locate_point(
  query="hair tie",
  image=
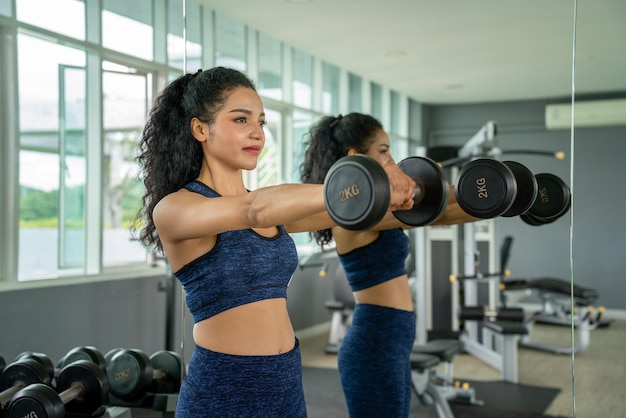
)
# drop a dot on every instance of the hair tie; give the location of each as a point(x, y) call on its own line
point(336, 121)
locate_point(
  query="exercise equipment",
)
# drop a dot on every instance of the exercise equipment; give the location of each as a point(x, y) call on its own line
point(88, 353)
point(488, 188)
point(132, 374)
point(341, 308)
point(556, 297)
point(356, 191)
point(553, 201)
point(82, 388)
point(19, 375)
point(479, 313)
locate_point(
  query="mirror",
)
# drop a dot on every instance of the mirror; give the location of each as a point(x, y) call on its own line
point(586, 242)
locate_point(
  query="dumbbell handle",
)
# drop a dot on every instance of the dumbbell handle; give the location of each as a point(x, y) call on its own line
point(6, 395)
point(76, 390)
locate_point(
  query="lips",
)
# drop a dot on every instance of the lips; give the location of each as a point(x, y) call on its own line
point(253, 150)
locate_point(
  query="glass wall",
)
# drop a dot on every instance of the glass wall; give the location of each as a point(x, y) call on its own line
point(82, 97)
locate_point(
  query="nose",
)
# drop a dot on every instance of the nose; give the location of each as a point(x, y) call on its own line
point(258, 132)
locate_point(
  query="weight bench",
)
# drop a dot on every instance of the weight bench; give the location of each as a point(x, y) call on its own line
point(555, 295)
point(422, 381)
point(444, 383)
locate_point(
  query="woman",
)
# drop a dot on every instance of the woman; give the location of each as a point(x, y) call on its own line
point(229, 246)
point(373, 358)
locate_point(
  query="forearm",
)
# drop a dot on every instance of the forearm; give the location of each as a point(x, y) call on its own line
point(284, 204)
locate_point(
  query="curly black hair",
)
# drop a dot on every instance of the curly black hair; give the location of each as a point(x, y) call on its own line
point(328, 141)
point(169, 156)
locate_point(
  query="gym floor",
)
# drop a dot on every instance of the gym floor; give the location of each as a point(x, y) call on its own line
point(599, 372)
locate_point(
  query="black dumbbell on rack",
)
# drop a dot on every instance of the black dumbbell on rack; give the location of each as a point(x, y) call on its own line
point(88, 353)
point(20, 374)
point(82, 388)
point(133, 375)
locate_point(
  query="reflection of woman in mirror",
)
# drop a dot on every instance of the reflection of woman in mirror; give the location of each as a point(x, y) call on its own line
point(374, 356)
point(228, 246)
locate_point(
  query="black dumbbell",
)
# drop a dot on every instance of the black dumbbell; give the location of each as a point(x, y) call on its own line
point(19, 375)
point(77, 353)
point(486, 188)
point(132, 374)
point(82, 388)
point(356, 192)
point(553, 200)
point(479, 313)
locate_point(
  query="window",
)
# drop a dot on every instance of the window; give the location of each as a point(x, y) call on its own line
point(330, 89)
point(125, 108)
point(175, 40)
point(355, 93)
point(66, 17)
point(230, 42)
point(6, 8)
point(51, 159)
point(136, 38)
point(302, 79)
point(377, 101)
point(270, 61)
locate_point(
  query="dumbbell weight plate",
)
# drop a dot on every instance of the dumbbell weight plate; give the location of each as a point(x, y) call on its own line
point(526, 189)
point(130, 374)
point(88, 353)
point(485, 188)
point(434, 191)
point(531, 220)
point(553, 198)
point(356, 192)
point(171, 364)
point(94, 381)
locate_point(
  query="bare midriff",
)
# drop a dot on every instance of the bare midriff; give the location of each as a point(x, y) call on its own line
point(259, 328)
point(395, 293)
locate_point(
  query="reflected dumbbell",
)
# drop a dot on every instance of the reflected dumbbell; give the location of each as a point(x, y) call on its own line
point(82, 388)
point(132, 374)
point(486, 188)
point(356, 192)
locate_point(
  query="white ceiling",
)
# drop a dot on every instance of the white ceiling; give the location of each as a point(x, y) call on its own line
point(455, 51)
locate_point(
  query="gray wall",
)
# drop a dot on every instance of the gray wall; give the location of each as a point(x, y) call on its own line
point(598, 232)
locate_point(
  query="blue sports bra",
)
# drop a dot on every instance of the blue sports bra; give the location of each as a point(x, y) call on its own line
point(377, 262)
point(243, 267)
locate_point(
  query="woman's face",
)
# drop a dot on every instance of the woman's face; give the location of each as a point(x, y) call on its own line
point(237, 137)
point(381, 148)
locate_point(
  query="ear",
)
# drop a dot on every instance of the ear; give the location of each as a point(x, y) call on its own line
point(199, 129)
point(352, 151)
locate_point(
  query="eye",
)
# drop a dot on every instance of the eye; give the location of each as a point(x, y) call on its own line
point(241, 119)
point(263, 123)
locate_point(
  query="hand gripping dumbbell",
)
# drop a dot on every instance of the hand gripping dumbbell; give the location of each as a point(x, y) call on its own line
point(77, 353)
point(132, 374)
point(356, 192)
point(82, 388)
point(486, 188)
point(20, 374)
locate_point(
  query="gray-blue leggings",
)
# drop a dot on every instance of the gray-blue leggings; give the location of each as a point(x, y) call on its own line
point(374, 362)
point(225, 385)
